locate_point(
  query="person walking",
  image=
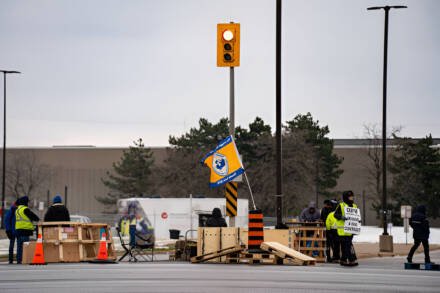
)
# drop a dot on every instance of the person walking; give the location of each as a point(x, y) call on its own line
point(23, 224)
point(57, 212)
point(420, 226)
point(216, 220)
point(348, 254)
point(10, 230)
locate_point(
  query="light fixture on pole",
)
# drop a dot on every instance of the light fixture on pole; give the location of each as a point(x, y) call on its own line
point(5, 72)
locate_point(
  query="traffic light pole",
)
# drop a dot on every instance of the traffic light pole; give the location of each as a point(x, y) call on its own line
point(231, 101)
point(231, 117)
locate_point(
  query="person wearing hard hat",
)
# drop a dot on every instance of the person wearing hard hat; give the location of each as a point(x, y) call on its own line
point(348, 255)
point(23, 224)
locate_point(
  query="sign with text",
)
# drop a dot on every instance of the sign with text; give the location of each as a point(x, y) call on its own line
point(352, 223)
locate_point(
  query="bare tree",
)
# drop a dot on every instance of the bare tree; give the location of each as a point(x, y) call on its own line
point(25, 175)
point(373, 134)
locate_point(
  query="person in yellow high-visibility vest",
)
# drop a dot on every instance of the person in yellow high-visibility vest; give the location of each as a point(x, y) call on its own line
point(23, 224)
point(332, 237)
point(124, 226)
point(348, 257)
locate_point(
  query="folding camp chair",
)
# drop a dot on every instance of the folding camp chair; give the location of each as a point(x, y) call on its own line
point(140, 246)
point(124, 245)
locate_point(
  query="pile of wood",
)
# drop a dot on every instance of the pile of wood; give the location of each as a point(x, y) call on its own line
point(274, 253)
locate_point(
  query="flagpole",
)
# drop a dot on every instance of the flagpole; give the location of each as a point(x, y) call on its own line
point(250, 190)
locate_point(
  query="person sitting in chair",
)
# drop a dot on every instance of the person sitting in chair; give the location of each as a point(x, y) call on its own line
point(216, 220)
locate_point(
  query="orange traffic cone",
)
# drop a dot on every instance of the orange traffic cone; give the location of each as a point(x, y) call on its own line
point(102, 256)
point(38, 254)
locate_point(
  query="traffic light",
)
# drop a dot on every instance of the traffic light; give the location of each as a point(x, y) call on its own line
point(228, 44)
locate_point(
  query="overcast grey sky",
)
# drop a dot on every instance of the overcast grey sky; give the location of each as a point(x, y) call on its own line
point(107, 72)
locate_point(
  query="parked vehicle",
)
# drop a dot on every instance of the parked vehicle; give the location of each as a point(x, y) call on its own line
point(80, 219)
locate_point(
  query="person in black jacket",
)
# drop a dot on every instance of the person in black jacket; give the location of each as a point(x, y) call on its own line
point(216, 220)
point(420, 226)
point(327, 209)
point(57, 212)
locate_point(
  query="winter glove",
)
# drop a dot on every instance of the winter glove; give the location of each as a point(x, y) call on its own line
point(9, 234)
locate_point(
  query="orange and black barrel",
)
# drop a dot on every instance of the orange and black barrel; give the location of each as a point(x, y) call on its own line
point(256, 232)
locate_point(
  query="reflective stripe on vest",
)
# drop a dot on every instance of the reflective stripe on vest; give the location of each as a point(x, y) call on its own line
point(340, 223)
point(22, 222)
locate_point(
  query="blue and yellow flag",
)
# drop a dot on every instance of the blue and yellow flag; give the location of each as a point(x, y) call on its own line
point(224, 162)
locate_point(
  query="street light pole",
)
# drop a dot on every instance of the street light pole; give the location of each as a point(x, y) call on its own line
point(5, 72)
point(384, 115)
point(279, 168)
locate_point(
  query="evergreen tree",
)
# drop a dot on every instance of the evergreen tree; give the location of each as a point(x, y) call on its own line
point(326, 162)
point(132, 176)
point(416, 170)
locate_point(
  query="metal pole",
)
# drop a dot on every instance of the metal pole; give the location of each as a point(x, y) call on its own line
point(4, 152)
point(384, 126)
point(231, 117)
point(384, 114)
point(279, 168)
point(364, 208)
point(65, 196)
point(317, 178)
point(231, 102)
point(48, 198)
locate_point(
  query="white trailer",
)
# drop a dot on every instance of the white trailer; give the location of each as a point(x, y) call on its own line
point(182, 214)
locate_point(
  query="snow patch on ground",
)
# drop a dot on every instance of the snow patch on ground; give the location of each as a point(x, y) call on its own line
point(370, 234)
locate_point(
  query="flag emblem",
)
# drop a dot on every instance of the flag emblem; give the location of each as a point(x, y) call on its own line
point(220, 164)
point(224, 162)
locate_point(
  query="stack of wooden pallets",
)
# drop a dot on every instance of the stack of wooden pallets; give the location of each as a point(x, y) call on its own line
point(272, 253)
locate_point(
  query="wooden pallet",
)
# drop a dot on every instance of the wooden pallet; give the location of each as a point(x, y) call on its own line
point(285, 252)
point(251, 261)
point(217, 254)
point(252, 258)
point(313, 234)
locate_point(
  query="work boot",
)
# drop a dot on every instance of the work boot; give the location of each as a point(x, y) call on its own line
point(353, 263)
point(344, 263)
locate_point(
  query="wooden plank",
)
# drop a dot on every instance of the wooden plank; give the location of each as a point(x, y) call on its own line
point(288, 252)
point(81, 248)
point(216, 254)
point(60, 237)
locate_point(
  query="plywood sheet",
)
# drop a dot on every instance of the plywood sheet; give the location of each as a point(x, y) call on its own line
point(280, 236)
point(286, 250)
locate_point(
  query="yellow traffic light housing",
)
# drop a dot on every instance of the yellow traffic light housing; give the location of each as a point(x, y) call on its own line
point(228, 44)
